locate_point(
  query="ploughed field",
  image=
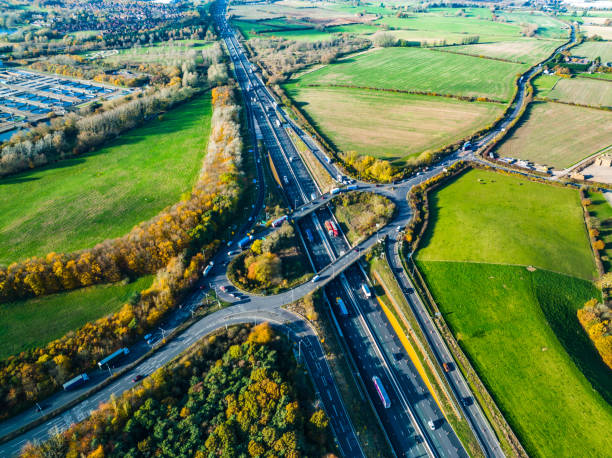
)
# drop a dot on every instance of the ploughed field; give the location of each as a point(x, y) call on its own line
point(352, 119)
point(509, 264)
point(559, 135)
point(81, 201)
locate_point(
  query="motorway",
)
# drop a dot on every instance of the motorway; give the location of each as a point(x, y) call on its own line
point(374, 346)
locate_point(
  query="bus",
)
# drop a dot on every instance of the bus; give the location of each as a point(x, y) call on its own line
point(279, 221)
point(207, 269)
point(382, 393)
point(366, 291)
point(342, 307)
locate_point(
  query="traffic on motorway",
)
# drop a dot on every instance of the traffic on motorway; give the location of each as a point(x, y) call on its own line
point(411, 419)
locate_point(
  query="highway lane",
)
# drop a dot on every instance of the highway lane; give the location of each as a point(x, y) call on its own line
point(481, 428)
point(297, 330)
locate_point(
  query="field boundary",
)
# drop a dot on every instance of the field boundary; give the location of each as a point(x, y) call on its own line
point(419, 202)
point(463, 98)
point(480, 56)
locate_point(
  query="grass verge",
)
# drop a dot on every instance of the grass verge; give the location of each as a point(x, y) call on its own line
point(360, 411)
point(389, 292)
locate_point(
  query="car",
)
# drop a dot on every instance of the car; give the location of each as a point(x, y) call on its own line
point(409, 290)
point(431, 425)
point(467, 401)
point(137, 378)
point(233, 252)
point(223, 288)
point(285, 179)
point(229, 243)
point(398, 228)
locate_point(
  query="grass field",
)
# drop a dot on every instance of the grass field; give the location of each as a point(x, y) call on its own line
point(559, 135)
point(593, 49)
point(602, 31)
point(160, 52)
point(84, 200)
point(520, 331)
point(54, 315)
point(508, 220)
point(548, 27)
point(422, 70)
point(585, 91)
point(517, 325)
point(527, 50)
point(352, 119)
point(453, 24)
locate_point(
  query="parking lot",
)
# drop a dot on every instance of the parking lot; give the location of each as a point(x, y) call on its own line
point(27, 97)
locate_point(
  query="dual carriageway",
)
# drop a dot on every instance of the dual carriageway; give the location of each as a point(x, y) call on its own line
point(372, 344)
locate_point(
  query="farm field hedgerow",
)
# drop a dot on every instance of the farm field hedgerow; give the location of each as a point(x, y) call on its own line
point(84, 200)
point(584, 91)
point(352, 119)
point(559, 135)
point(508, 220)
point(422, 70)
point(593, 49)
point(518, 329)
point(54, 315)
point(527, 50)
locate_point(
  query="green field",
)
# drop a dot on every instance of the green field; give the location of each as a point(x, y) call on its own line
point(527, 50)
point(159, 52)
point(419, 69)
point(548, 27)
point(559, 135)
point(487, 30)
point(584, 91)
point(593, 49)
point(507, 220)
point(520, 331)
point(352, 119)
point(35, 322)
point(79, 202)
point(518, 325)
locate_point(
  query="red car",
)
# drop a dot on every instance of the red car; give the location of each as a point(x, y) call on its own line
point(223, 288)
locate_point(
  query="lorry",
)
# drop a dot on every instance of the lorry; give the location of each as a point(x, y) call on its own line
point(75, 382)
point(366, 290)
point(332, 230)
point(244, 242)
point(114, 358)
point(335, 191)
point(447, 367)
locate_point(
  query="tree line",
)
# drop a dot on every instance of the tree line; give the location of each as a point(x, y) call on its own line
point(280, 57)
point(91, 127)
point(237, 393)
point(180, 241)
point(595, 320)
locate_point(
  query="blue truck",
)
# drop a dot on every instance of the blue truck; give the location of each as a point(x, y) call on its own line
point(243, 243)
point(75, 382)
point(113, 358)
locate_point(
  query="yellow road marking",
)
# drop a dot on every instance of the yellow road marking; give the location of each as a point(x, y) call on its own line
point(413, 356)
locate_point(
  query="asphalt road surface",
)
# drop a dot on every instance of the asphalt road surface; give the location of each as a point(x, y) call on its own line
point(374, 346)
